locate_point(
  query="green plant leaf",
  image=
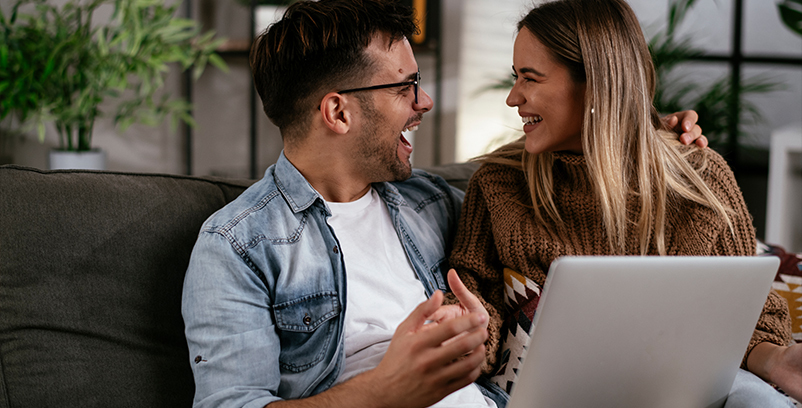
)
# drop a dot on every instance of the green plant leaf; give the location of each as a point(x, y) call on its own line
point(791, 14)
point(40, 131)
point(189, 120)
point(218, 62)
point(4, 55)
point(199, 67)
point(677, 9)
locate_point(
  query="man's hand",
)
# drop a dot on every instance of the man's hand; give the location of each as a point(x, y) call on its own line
point(426, 362)
point(468, 302)
point(684, 124)
point(779, 365)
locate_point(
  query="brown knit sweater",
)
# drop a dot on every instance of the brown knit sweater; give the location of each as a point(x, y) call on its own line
point(497, 231)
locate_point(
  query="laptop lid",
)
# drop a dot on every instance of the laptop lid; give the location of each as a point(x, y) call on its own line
point(642, 331)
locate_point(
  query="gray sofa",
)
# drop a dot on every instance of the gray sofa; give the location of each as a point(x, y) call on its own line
point(91, 270)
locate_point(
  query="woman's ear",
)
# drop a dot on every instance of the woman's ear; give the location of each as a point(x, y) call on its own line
point(335, 113)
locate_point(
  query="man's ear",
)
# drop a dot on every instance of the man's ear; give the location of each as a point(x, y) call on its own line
point(335, 113)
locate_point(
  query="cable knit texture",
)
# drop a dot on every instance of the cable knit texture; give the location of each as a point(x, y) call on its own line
point(498, 229)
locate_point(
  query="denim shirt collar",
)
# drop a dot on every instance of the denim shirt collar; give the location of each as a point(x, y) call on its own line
point(300, 195)
point(390, 194)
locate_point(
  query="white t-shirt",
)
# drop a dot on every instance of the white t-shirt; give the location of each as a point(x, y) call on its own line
point(382, 289)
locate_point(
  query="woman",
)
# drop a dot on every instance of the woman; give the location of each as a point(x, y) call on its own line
point(597, 173)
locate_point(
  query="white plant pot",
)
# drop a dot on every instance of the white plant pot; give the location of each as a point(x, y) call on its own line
point(94, 159)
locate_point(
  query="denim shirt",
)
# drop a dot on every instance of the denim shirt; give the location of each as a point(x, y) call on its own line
point(264, 295)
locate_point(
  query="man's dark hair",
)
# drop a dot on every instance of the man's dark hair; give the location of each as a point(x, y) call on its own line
point(319, 47)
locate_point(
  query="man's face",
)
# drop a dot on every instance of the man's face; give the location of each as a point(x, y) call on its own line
point(381, 150)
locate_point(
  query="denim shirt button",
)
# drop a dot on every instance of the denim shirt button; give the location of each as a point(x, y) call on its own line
point(307, 319)
point(336, 250)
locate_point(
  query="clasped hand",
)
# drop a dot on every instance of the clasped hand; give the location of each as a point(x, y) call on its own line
point(435, 351)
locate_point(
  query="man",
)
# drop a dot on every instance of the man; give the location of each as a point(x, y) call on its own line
point(265, 299)
point(311, 288)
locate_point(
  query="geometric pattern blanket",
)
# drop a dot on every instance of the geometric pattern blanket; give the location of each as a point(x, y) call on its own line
point(521, 296)
point(788, 283)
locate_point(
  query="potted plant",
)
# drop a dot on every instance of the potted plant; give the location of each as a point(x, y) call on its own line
point(58, 65)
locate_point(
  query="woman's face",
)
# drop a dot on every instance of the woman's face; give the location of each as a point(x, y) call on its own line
point(549, 102)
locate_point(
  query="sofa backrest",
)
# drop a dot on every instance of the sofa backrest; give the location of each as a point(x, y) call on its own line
point(91, 270)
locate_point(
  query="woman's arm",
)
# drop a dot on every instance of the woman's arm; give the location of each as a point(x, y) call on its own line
point(767, 355)
point(475, 258)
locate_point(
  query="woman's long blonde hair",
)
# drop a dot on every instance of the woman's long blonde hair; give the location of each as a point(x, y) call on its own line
point(623, 139)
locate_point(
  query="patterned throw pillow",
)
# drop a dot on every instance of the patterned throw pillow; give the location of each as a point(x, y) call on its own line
point(521, 297)
point(788, 283)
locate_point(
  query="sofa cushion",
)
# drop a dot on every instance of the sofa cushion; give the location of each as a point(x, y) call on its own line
point(91, 270)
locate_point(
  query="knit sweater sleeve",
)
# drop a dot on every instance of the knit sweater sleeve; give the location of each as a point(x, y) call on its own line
point(476, 260)
point(774, 324)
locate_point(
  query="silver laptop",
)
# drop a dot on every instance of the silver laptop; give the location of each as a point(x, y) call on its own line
point(642, 331)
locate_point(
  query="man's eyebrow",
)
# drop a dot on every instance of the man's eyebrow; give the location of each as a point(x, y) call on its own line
point(526, 70)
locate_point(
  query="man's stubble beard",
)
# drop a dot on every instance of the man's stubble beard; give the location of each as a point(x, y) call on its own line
point(379, 155)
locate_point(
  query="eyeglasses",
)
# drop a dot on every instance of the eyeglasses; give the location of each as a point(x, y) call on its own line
point(414, 83)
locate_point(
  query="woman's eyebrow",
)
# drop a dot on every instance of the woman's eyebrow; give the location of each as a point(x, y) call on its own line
point(531, 71)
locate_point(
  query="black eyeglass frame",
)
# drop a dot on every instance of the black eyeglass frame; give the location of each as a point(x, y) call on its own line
point(414, 83)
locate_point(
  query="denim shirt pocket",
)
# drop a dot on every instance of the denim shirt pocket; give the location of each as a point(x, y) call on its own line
point(305, 327)
point(440, 274)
